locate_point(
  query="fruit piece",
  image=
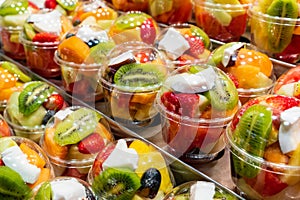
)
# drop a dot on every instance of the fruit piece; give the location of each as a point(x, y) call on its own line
point(150, 183)
point(73, 49)
point(218, 54)
point(91, 144)
point(251, 135)
point(44, 192)
point(51, 147)
point(7, 79)
point(12, 185)
point(51, 4)
point(32, 156)
point(196, 45)
point(159, 7)
point(76, 126)
point(291, 176)
point(12, 68)
point(6, 93)
point(139, 75)
point(136, 19)
point(116, 183)
point(4, 128)
point(13, 7)
point(44, 176)
point(101, 157)
point(74, 172)
point(45, 37)
point(104, 132)
point(282, 102)
point(69, 5)
point(29, 31)
point(54, 102)
point(6, 143)
point(33, 96)
point(148, 31)
point(280, 35)
point(140, 146)
point(99, 52)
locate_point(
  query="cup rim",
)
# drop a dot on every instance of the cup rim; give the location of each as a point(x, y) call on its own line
point(210, 5)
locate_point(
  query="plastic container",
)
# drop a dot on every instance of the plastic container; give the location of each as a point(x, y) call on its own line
point(127, 5)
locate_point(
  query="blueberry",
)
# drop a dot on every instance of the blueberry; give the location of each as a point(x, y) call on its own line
point(150, 183)
point(92, 42)
point(49, 114)
point(70, 35)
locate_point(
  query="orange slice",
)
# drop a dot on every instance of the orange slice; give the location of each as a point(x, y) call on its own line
point(245, 74)
point(7, 79)
point(51, 147)
point(44, 176)
point(32, 156)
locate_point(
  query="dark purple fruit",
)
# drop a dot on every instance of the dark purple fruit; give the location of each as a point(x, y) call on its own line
point(150, 183)
point(49, 114)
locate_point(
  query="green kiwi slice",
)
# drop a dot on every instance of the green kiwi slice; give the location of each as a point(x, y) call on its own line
point(12, 185)
point(13, 7)
point(135, 19)
point(135, 76)
point(76, 126)
point(116, 184)
point(44, 192)
point(33, 96)
point(29, 31)
point(200, 33)
point(280, 36)
point(12, 68)
point(99, 52)
point(69, 5)
point(251, 134)
point(218, 54)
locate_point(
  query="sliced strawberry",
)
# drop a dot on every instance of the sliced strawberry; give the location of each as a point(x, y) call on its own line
point(148, 31)
point(51, 4)
point(282, 102)
point(143, 57)
point(101, 157)
point(196, 45)
point(45, 37)
point(234, 79)
point(171, 102)
point(1, 162)
point(91, 144)
point(54, 102)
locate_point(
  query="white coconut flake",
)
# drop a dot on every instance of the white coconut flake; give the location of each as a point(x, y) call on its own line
point(202, 190)
point(67, 189)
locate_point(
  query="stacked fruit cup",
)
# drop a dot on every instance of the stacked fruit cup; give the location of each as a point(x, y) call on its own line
point(196, 102)
point(131, 77)
point(225, 21)
point(28, 110)
point(251, 71)
point(275, 28)
point(72, 139)
point(23, 166)
point(264, 147)
point(130, 169)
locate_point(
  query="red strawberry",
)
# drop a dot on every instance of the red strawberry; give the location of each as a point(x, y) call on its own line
point(33, 5)
point(143, 57)
point(237, 26)
point(54, 102)
point(196, 45)
point(91, 144)
point(51, 4)
point(101, 157)
point(171, 102)
point(234, 79)
point(45, 37)
point(148, 31)
point(1, 162)
point(282, 102)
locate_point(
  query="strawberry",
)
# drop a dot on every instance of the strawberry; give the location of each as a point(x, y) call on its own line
point(91, 144)
point(196, 45)
point(54, 102)
point(143, 57)
point(1, 162)
point(45, 37)
point(171, 102)
point(282, 102)
point(51, 4)
point(148, 31)
point(33, 5)
point(101, 157)
point(234, 79)
point(237, 26)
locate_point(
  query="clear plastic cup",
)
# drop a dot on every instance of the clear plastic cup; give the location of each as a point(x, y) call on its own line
point(88, 132)
point(171, 11)
point(127, 5)
point(145, 166)
point(131, 103)
point(277, 36)
point(224, 22)
point(263, 150)
point(28, 165)
point(196, 102)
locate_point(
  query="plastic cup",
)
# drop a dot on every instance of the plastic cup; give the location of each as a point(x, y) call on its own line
point(264, 164)
point(140, 160)
point(222, 22)
point(74, 157)
point(193, 123)
point(278, 37)
point(130, 5)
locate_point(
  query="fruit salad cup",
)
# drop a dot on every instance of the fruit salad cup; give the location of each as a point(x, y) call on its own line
point(5, 130)
point(199, 190)
point(23, 166)
point(72, 139)
point(65, 7)
point(130, 169)
point(225, 21)
point(275, 29)
point(171, 11)
point(251, 71)
point(28, 110)
point(12, 80)
point(40, 36)
point(63, 187)
point(183, 44)
point(264, 148)
point(94, 12)
point(130, 79)
point(134, 26)
point(196, 102)
point(130, 5)
point(80, 55)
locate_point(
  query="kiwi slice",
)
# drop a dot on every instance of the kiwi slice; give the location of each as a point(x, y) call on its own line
point(12, 185)
point(13, 7)
point(76, 126)
point(33, 96)
point(200, 33)
point(251, 134)
point(44, 192)
point(29, 31)
point(12, 68)
point(218, 54)
point(99, 52)
point(280, 36)
point(116, 184)
point(69, 5)
point(224, 195)
point(137, 75)
point(135, 19)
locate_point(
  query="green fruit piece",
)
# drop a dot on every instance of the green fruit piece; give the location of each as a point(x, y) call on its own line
point(12, 185)
point(136, 19)
point(263, 5)
point(251, 135)
point(29, 31)
point(76, 126)
point(137, 75)
point(33, 96)
point(61, 10)
point(15, 20)
point(158, 7)
point(223, 17)
point(44, 192)
point(116, 183)
point(69, 5)
point(218, 54)
point(5, 143)
point(99, 52)
point(222, 194)
point(13, 7)
point(200, 33)
point(280, 35)
point(12, 68)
